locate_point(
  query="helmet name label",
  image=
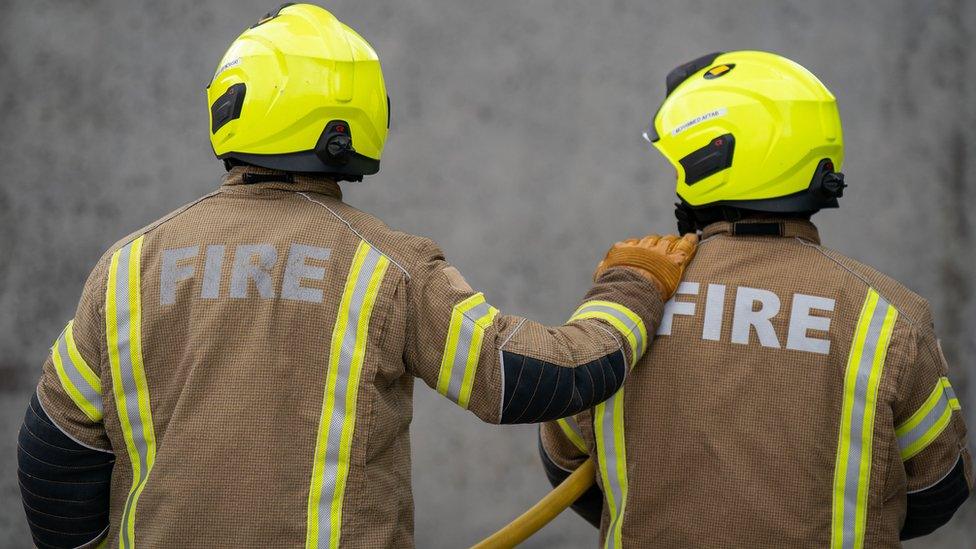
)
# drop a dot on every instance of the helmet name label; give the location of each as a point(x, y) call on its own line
point(699, 119)
point(227, 65)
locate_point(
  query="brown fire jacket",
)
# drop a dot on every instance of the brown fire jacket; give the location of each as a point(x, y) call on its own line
point(793, 397)
point(249, 359)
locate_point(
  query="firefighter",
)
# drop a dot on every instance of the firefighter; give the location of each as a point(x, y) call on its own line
point(240, 372)
point(792, 397)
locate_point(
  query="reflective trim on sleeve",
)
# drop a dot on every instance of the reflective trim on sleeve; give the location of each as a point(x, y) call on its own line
point(928, 422)
point(628, 323)
point(572, 431)
point(951, 395)
point(337, 423)
point(123, 327)
point(608, 425)
point(852, 472)
point(462, 348)
point(79, 381)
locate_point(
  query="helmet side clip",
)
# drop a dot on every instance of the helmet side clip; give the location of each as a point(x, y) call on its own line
point(335, 144)
point(828, 184)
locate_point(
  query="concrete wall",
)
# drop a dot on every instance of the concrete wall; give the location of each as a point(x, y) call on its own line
point(515, 144)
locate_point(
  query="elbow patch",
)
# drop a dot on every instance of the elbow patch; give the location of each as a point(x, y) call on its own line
point(537, 391)
point(933, 507)
point(64, 485)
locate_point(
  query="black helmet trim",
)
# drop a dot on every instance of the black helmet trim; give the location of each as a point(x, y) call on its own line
point(683, 72)
point(826, 186)
point(333, 154)
point(308, 162)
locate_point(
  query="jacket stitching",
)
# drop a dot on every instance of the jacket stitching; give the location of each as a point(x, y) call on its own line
point(856, 274)
point(353, 229)
point(518, 379)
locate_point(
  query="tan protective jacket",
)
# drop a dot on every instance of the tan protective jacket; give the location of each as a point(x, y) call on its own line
point(791, 398)
point(249, 359)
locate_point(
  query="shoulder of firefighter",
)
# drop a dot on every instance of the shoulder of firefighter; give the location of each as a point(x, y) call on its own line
point(816, 410)
point(270, 331)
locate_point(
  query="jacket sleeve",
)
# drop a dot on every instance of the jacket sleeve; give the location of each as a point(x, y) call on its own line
point(65, 459)
point(931, 438)
point(508, 369)
point(563, 449)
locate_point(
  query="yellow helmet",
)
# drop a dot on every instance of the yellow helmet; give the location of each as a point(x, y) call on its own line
point(750, 130)
point(300, 91)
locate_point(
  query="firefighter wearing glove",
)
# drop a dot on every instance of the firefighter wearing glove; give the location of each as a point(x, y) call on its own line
point(240, 372)
point(793, 397)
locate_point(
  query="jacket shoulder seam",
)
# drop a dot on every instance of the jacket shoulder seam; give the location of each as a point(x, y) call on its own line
point(156, 224)
point(913, 322)
point(355, 231)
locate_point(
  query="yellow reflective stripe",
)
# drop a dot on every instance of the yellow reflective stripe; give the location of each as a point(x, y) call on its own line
point(625, 321)
point(76, 377)
point(462, 348)
point(474, 355)
point(608, 424)
point(601, 456)
point(929, 421)
point(951, 393)
point(571, 434)
point(453, 337)
point(123, 327)
point(862, 377)
point(922, 442)
point(333, 448)
point(867, 435)
point(348, 427)
point(933, 400)
point(79, 361)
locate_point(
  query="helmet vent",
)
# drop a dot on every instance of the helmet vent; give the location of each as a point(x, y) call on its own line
point(227, 107)
point(683, 72)
point(708, 160)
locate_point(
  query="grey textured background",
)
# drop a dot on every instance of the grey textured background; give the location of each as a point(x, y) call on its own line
point(515, 144)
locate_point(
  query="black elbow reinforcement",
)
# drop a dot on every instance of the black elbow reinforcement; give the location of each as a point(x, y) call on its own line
point(64, 485)
point(933, 507)
point(589, 505)
point(537, 391)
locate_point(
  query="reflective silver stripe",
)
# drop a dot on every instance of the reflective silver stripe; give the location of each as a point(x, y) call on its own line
point(612, 461)
point(631, 325)
point(571, 421)
point(950, 394)
point(466, 334)
point(931, 418)
point(857, 426)
point(123, 320)
point(73, 371)
point(344, 367)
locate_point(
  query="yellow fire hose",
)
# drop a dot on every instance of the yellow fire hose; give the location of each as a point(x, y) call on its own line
point(543, 512)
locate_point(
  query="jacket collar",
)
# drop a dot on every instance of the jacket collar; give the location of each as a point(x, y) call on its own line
point(772, 226)
point(255, 178)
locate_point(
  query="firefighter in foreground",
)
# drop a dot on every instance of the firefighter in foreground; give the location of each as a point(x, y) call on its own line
point(793, 397)
point(239, 373)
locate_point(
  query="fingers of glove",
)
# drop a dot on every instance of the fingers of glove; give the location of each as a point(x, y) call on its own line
point(628, 243)
point(666, 244)
point(649, 241)
point(684, 248)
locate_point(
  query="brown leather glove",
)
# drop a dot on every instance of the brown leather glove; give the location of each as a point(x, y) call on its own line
point(660, 259)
